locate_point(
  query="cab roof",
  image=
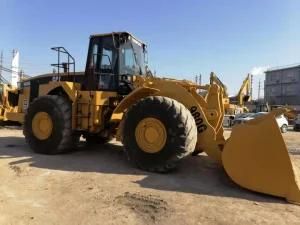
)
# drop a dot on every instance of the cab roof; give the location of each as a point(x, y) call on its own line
point(117, 33)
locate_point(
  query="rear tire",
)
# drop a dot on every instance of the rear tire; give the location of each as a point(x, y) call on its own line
point(62, 138)
point(180, 127)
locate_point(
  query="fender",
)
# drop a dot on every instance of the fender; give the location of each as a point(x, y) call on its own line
point(131, 99)
point(69, 88)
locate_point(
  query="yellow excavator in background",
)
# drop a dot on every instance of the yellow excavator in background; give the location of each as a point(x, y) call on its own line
point(214, 79)
point(244, 94)
point(236, 104)
point(158, 120)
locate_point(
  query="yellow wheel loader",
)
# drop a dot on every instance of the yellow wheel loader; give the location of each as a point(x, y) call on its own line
point(159, 121)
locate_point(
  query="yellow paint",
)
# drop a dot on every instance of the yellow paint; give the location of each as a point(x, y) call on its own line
point(7, 111)
point(69, 87)
point(90, 106)
point(83, 110)
point(102, 97)
point(116, 117)
point(256, 157)
point(151, 135)
point(133, 97)
point(42, 125)
point(15, 116)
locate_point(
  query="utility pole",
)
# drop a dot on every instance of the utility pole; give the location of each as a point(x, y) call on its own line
point(258, 97)
point(21, 75)
point(15, 68)
point(1, 63)
point(200, 79)
point(251, 87)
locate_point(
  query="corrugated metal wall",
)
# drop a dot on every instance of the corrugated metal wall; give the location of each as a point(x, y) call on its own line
point(283, 86)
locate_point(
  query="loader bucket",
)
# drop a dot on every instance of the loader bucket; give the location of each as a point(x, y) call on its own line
point(256, 158)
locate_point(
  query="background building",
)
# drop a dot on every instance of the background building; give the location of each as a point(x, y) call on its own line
point(282, 86)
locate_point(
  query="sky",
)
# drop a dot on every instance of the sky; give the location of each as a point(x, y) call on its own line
point(184, 38)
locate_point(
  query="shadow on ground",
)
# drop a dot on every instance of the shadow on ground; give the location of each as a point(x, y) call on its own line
point(197, 175)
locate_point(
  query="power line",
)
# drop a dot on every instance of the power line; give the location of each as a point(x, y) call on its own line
point(3, 80)
point(12, 71)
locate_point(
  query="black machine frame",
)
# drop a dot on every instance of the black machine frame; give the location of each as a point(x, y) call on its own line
point(64, 65)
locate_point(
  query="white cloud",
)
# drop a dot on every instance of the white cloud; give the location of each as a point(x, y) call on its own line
point(259, 70)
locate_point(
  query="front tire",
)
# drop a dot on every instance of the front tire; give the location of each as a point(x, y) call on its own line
point(157, 133)
point(48, 125)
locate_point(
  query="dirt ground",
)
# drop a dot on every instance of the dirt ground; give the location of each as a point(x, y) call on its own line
point(98, 186)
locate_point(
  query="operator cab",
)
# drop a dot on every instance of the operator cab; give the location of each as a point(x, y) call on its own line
point(113, 59)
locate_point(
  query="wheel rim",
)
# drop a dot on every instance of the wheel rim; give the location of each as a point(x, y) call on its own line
point(42, 125)
point(151, 135)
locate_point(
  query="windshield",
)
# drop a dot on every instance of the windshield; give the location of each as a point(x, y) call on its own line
point(132, 58)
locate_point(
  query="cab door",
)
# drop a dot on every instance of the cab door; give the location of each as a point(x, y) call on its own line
point(102, 66)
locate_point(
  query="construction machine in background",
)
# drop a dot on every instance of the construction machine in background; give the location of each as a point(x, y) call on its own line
point(8, 104)
point(158, 120)
point(214, 79)
point(244, 94)
point(9, 98)
point(234, 104)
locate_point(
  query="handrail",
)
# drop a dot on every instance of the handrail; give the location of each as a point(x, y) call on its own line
point(63, 65)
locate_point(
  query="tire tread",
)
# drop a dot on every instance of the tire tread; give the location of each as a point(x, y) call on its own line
point(185, 123)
